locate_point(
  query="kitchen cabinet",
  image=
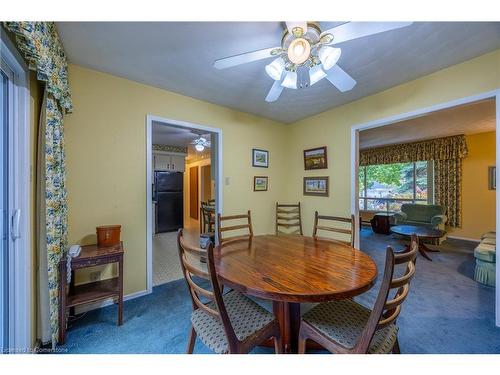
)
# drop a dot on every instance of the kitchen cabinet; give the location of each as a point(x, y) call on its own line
point(169, 162)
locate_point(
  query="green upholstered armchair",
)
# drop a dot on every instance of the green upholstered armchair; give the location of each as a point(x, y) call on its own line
point(430, 215)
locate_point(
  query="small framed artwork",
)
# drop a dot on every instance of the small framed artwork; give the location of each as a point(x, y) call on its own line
point(317, 186)
point(260, 158)
point(315, 158)
point(260, 183)
point(492, 178)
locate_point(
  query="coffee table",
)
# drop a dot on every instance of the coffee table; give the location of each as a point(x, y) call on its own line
point(422, 233)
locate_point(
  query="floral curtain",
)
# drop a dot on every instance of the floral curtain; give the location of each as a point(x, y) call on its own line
point(454, 147)
point(43, 51)
point(447, 154)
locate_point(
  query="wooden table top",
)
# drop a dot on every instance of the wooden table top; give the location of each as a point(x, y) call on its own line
point(94, 252)
point(420, 231)
point(293, 268)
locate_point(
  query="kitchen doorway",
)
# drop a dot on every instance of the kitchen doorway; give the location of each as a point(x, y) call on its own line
point(183, 163)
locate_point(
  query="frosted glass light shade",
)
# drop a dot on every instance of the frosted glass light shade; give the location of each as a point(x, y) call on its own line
point(316, 74)
point(290, 80)
point(275, 69)
point(199, 147)
point(329, 56)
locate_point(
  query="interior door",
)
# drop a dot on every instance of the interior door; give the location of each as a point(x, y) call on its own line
point(193, 193)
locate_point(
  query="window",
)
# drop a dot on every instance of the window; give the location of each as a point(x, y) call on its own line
point(386, 187)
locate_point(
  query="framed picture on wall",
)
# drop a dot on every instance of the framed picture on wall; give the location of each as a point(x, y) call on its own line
point(315, 158)
point(260, 183)
point(492, 178)
point(260, 158)
point(316, 186)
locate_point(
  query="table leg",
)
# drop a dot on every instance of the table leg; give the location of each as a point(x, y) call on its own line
point(120, 286)
point(288, 315)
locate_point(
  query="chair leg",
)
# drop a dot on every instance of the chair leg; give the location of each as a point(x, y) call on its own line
point(191, 341)
point(302, 341)
point(395, 348)
point(278, 344)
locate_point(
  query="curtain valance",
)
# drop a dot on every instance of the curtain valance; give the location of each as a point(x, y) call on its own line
point(454, 147)
point(42, 49)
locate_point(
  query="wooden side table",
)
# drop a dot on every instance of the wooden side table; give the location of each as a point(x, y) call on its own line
point(381, 222)
point(90, 256)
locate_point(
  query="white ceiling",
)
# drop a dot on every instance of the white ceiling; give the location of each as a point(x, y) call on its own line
point(478, 117)
point(179, 56)
point(170, 135)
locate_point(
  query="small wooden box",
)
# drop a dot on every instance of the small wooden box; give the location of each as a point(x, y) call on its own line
point(108, 235)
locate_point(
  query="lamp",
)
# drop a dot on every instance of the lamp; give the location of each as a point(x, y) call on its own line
point(299, 51)
point(199, 147)
point(329, 56)
point(275, 69)
point(290, 80)
point(316, 74)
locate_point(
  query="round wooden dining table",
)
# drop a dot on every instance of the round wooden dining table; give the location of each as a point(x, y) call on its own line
point(292, 269)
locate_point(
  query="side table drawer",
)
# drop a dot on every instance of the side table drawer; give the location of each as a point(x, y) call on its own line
point(94, 262)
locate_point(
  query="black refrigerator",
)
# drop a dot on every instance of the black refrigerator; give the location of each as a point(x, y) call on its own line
point(168, 191)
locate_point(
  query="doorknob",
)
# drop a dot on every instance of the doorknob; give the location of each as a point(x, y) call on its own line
point(14, 225)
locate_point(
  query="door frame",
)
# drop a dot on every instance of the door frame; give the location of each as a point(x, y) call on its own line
point(149, 180)
point(21, 269)
point(494, 94)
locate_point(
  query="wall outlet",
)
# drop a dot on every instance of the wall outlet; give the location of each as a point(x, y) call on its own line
point(94, 276)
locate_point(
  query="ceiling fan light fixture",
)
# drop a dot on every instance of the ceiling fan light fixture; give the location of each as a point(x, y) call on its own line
point(299, 51)
point(290, 80)
point(199, 147)
point(275, 69)
point(316, 73)
point(329, 56)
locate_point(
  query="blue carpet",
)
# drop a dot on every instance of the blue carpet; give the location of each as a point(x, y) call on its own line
point(446, 311)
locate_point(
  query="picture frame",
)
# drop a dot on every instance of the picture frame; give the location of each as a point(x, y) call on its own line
point(260, 158)
point(492, 178)
point(316, 186)
point(260, 183)
point(315, 158)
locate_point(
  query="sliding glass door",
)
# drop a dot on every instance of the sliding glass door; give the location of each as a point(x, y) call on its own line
point(4, 210)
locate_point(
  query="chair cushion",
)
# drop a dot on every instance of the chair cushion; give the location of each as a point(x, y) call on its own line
point(489, 241)
point(247, 318)
point(485, 252)
point(344, 320)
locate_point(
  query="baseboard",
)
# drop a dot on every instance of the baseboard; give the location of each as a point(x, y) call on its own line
point(108, 302)
point(465, 239)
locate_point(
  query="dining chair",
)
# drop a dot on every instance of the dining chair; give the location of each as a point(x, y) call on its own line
point(226, 323)
point(339, 228)
point(207, 218)
point(246, 228)
point(288, 216)
point(346, 327)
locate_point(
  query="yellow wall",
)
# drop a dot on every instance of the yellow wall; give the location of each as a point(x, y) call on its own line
point(333, 128)
point(478, 203)
point(106, 159)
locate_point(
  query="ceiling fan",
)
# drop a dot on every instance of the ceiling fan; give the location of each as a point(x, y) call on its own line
point(201, 142)
point(307, 55)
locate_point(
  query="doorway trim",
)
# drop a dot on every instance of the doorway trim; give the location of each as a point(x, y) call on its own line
point(20, 267)
point(494, 94)
point(149, 180)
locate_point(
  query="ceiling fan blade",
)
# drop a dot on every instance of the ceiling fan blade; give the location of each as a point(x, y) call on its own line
point(244, 58)
point(275, 92)
point(340, 79)
point(291, 25)
point(353, 30)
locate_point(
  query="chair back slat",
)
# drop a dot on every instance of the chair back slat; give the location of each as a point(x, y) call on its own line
point(385, 310)
point(238, 227)
point(336, 229)
point(288, 216)
point(207, 221)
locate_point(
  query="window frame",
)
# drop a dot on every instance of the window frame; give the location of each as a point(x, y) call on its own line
point(430, 189)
